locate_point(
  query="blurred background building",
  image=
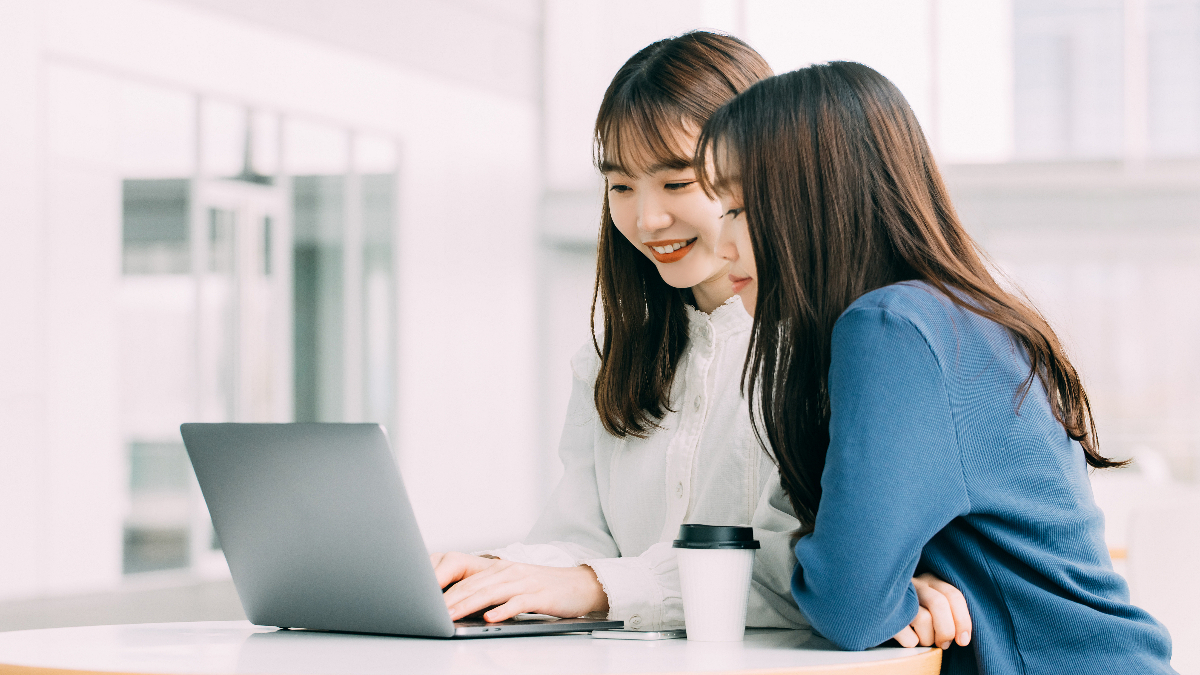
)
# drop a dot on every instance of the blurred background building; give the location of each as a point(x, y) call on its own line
point(255, 210)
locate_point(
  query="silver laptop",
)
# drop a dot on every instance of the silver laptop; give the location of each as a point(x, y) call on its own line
point(318, 532)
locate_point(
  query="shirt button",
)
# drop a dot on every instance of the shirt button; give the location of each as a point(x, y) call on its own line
point(699, 400)
point(679, 490)
point(635, 621)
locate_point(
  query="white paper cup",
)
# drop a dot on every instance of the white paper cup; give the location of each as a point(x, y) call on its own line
point(715, 566)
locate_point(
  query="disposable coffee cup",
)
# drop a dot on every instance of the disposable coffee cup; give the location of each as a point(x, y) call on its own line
point(715, 564)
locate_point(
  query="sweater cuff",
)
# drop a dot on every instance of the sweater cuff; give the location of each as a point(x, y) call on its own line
point(643, 595)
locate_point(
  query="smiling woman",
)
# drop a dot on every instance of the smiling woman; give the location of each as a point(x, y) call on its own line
point(638, 463)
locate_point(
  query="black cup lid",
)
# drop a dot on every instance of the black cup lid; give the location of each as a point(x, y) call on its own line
point(716, 536)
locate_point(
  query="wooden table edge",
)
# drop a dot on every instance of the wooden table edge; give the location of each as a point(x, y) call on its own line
point(928, 663)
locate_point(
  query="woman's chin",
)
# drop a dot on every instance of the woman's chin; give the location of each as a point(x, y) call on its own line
point(683, 275)
point(679, 278)
point(749, 296)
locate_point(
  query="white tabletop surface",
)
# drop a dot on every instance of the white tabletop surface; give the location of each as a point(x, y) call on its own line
point(222, 647)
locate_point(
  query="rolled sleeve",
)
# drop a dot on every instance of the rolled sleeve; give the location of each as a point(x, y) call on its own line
point(643, 591)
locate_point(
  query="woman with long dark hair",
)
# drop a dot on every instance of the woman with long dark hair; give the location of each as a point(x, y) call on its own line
point(657, 431)
point(924, 418)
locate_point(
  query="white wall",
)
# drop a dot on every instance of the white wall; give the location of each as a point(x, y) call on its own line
point(975, 81)
point(22, 290)
point(60, 472)
point(85, 485)
point(488, 44)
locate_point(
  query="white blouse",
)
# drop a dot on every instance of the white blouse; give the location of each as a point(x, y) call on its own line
point(621, 500)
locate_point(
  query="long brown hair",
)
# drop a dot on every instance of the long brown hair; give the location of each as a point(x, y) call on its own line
point(668, 88)
point(841, 197)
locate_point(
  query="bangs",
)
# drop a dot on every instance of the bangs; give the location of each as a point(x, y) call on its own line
point(643, 136)
point(717, 152)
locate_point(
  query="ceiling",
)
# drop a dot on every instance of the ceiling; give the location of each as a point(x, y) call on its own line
point(491, 44)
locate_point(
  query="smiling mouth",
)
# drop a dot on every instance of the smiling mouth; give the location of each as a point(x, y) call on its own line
point(670, 250)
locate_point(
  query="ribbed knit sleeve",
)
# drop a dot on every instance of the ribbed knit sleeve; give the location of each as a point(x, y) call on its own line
point(940, 460)
point(893, 478)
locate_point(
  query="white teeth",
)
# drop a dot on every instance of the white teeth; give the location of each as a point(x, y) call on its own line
point(669, 247)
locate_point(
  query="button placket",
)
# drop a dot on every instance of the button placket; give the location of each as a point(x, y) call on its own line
point(699, 361)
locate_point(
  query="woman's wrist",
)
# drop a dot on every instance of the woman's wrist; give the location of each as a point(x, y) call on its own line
point(596, 593)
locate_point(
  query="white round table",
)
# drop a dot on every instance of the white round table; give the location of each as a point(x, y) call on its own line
point(228, 647)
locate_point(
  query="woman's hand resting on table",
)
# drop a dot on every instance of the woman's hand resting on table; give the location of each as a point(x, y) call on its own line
point(514, 588)
point(941, 619)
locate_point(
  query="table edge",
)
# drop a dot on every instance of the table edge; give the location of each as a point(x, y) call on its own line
point(928, 663)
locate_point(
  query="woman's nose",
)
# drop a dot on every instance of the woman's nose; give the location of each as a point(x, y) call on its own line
point(726, 249)
point(652, 216)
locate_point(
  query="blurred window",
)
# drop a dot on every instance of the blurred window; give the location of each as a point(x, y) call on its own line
point(318, 297)
point(375, 161)
point(1173, 46)
point(221, 223)
point(157, 530)
point(1068, 79)
point(379, 199)
point(155, 226)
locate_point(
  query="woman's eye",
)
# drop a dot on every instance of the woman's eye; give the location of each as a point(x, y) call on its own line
point(734, 212)
point(679, 186)
point(619, 188)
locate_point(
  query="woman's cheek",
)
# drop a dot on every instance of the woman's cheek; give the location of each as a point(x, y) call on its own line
point(624, 219)
point(706, 219)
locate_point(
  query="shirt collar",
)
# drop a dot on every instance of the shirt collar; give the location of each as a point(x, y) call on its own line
point(730, 317)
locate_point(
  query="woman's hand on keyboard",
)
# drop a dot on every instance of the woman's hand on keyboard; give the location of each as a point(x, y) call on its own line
point(473, 583)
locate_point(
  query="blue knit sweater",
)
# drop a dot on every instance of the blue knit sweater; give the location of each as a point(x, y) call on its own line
point(933, 468)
